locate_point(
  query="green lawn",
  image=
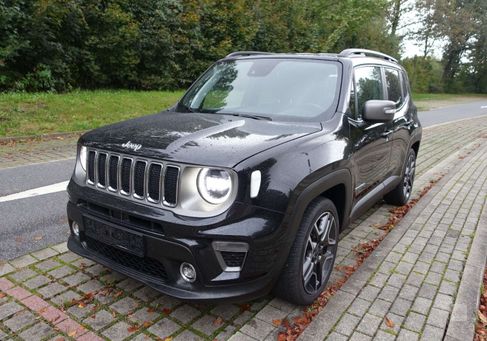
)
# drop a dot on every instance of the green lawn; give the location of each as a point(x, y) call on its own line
point(23, 114)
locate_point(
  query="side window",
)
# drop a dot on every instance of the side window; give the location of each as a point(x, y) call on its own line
point(368, 85)
point(393, 82)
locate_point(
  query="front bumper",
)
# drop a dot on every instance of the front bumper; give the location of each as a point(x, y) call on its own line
point(167, 245)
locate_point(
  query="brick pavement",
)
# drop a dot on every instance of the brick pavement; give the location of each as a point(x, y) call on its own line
point(91, 300)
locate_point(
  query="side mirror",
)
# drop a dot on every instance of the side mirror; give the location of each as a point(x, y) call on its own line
point(379, 110)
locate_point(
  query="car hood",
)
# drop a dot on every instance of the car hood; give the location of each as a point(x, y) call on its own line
point(196, 138)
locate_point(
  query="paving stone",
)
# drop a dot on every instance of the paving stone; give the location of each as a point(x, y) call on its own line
point(99, 320)
point(125, 305)
point(359, 307)
point(185, 313)
point(380, 307)
point(347, 324)
point(357, 336)
point(146, 294)
point(384, 336)
point(113, 277)
point(83, 263)
point(206, 325)
point(408, 292)
point(20, 320)
point(187, 335)
point(68, 257)
point(269, 314)
point(65, 298)
point(422, 305)
point(448, 288)
point(407, 335)
point(44, 253)
point(36, 282)
point(243, 318)
point(432, 333)
point(22, 275)
point(369, 325)
point(90, 286)
point(238, 336)
point(37, 332)
point(428, 290)
point(8, 309)
point(415, 322)
point(51, 290)
point(23, 261)
point(369, 293)
point(438, 318)
point(225, 311)
point(144, 315)
point(81, 312)
point(226, 333)
point(444, 302)
point(389, 293)
point(164, 328)
point(61, 272)
point(76, 279)
point(118, 331)
point(5, 268)
point(401, 306)
point(257, 329)
point(96, 270)
point(60, 248)
point(47, 265)
point(129, 284)
point(165, 302)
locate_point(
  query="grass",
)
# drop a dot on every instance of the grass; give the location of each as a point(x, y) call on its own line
point(24, 114)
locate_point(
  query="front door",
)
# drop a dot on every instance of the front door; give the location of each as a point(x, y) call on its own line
point(370, 141)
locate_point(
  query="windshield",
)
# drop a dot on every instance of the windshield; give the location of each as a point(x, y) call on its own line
point(274, 88)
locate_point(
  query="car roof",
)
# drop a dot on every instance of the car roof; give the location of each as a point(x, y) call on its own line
point(354, 56)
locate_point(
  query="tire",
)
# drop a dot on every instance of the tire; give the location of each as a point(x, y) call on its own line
point(401, 194)
point(320, 223)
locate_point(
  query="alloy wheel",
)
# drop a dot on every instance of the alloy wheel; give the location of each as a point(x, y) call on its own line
point(320, 251)
point(408, 178)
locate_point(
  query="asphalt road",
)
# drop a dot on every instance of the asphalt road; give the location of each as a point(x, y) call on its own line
point(31, 223)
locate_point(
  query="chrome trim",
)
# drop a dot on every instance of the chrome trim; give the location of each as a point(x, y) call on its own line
point(224, 246)
point(177, 187)
point(131, 194)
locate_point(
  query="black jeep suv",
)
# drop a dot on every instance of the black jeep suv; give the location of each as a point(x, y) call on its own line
point(245, 184)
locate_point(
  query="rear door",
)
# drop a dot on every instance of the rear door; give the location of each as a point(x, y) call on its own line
point(370, 140)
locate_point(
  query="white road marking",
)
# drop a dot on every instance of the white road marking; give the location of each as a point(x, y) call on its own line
point(59, 187)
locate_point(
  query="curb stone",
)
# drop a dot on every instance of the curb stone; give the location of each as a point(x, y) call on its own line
point(464, 314)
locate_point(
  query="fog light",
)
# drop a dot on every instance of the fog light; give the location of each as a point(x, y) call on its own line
point(188, 272)
point(75, 228)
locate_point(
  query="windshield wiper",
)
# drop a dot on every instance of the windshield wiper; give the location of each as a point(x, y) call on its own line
point(246, 115)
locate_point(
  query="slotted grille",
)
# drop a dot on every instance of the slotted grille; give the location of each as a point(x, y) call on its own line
point(135, 178)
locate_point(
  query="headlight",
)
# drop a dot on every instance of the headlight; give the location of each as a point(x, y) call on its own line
point(214, 185)
point(82, 157)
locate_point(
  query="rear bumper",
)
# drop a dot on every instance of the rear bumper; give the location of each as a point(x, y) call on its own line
point(261, 231)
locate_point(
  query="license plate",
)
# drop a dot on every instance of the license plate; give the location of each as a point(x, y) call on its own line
point(115, 236)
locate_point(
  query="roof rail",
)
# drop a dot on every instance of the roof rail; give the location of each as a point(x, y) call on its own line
point(245, 53)
point(368, 53)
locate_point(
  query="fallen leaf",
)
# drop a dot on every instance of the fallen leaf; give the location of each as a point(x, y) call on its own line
point(150, 310)
point(166, 311)
point(218, 321)
point(244, 307)
point(169, 338)
point(38, 237)
point(482, 317)
point(147, 324)
point(389, 322)
point(2, 294)
point(133, 329)
point(118, 293)
point(276, 323)
point(72, 333)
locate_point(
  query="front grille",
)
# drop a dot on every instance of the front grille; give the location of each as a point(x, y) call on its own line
point(146, 265)
point(233, 259)
point(136, 178)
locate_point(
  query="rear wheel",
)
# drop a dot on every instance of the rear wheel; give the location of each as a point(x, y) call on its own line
point(402, 192)
point(312, 256)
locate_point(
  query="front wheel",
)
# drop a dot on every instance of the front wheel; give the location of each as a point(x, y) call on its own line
point(312, 256)
point(402, 192)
